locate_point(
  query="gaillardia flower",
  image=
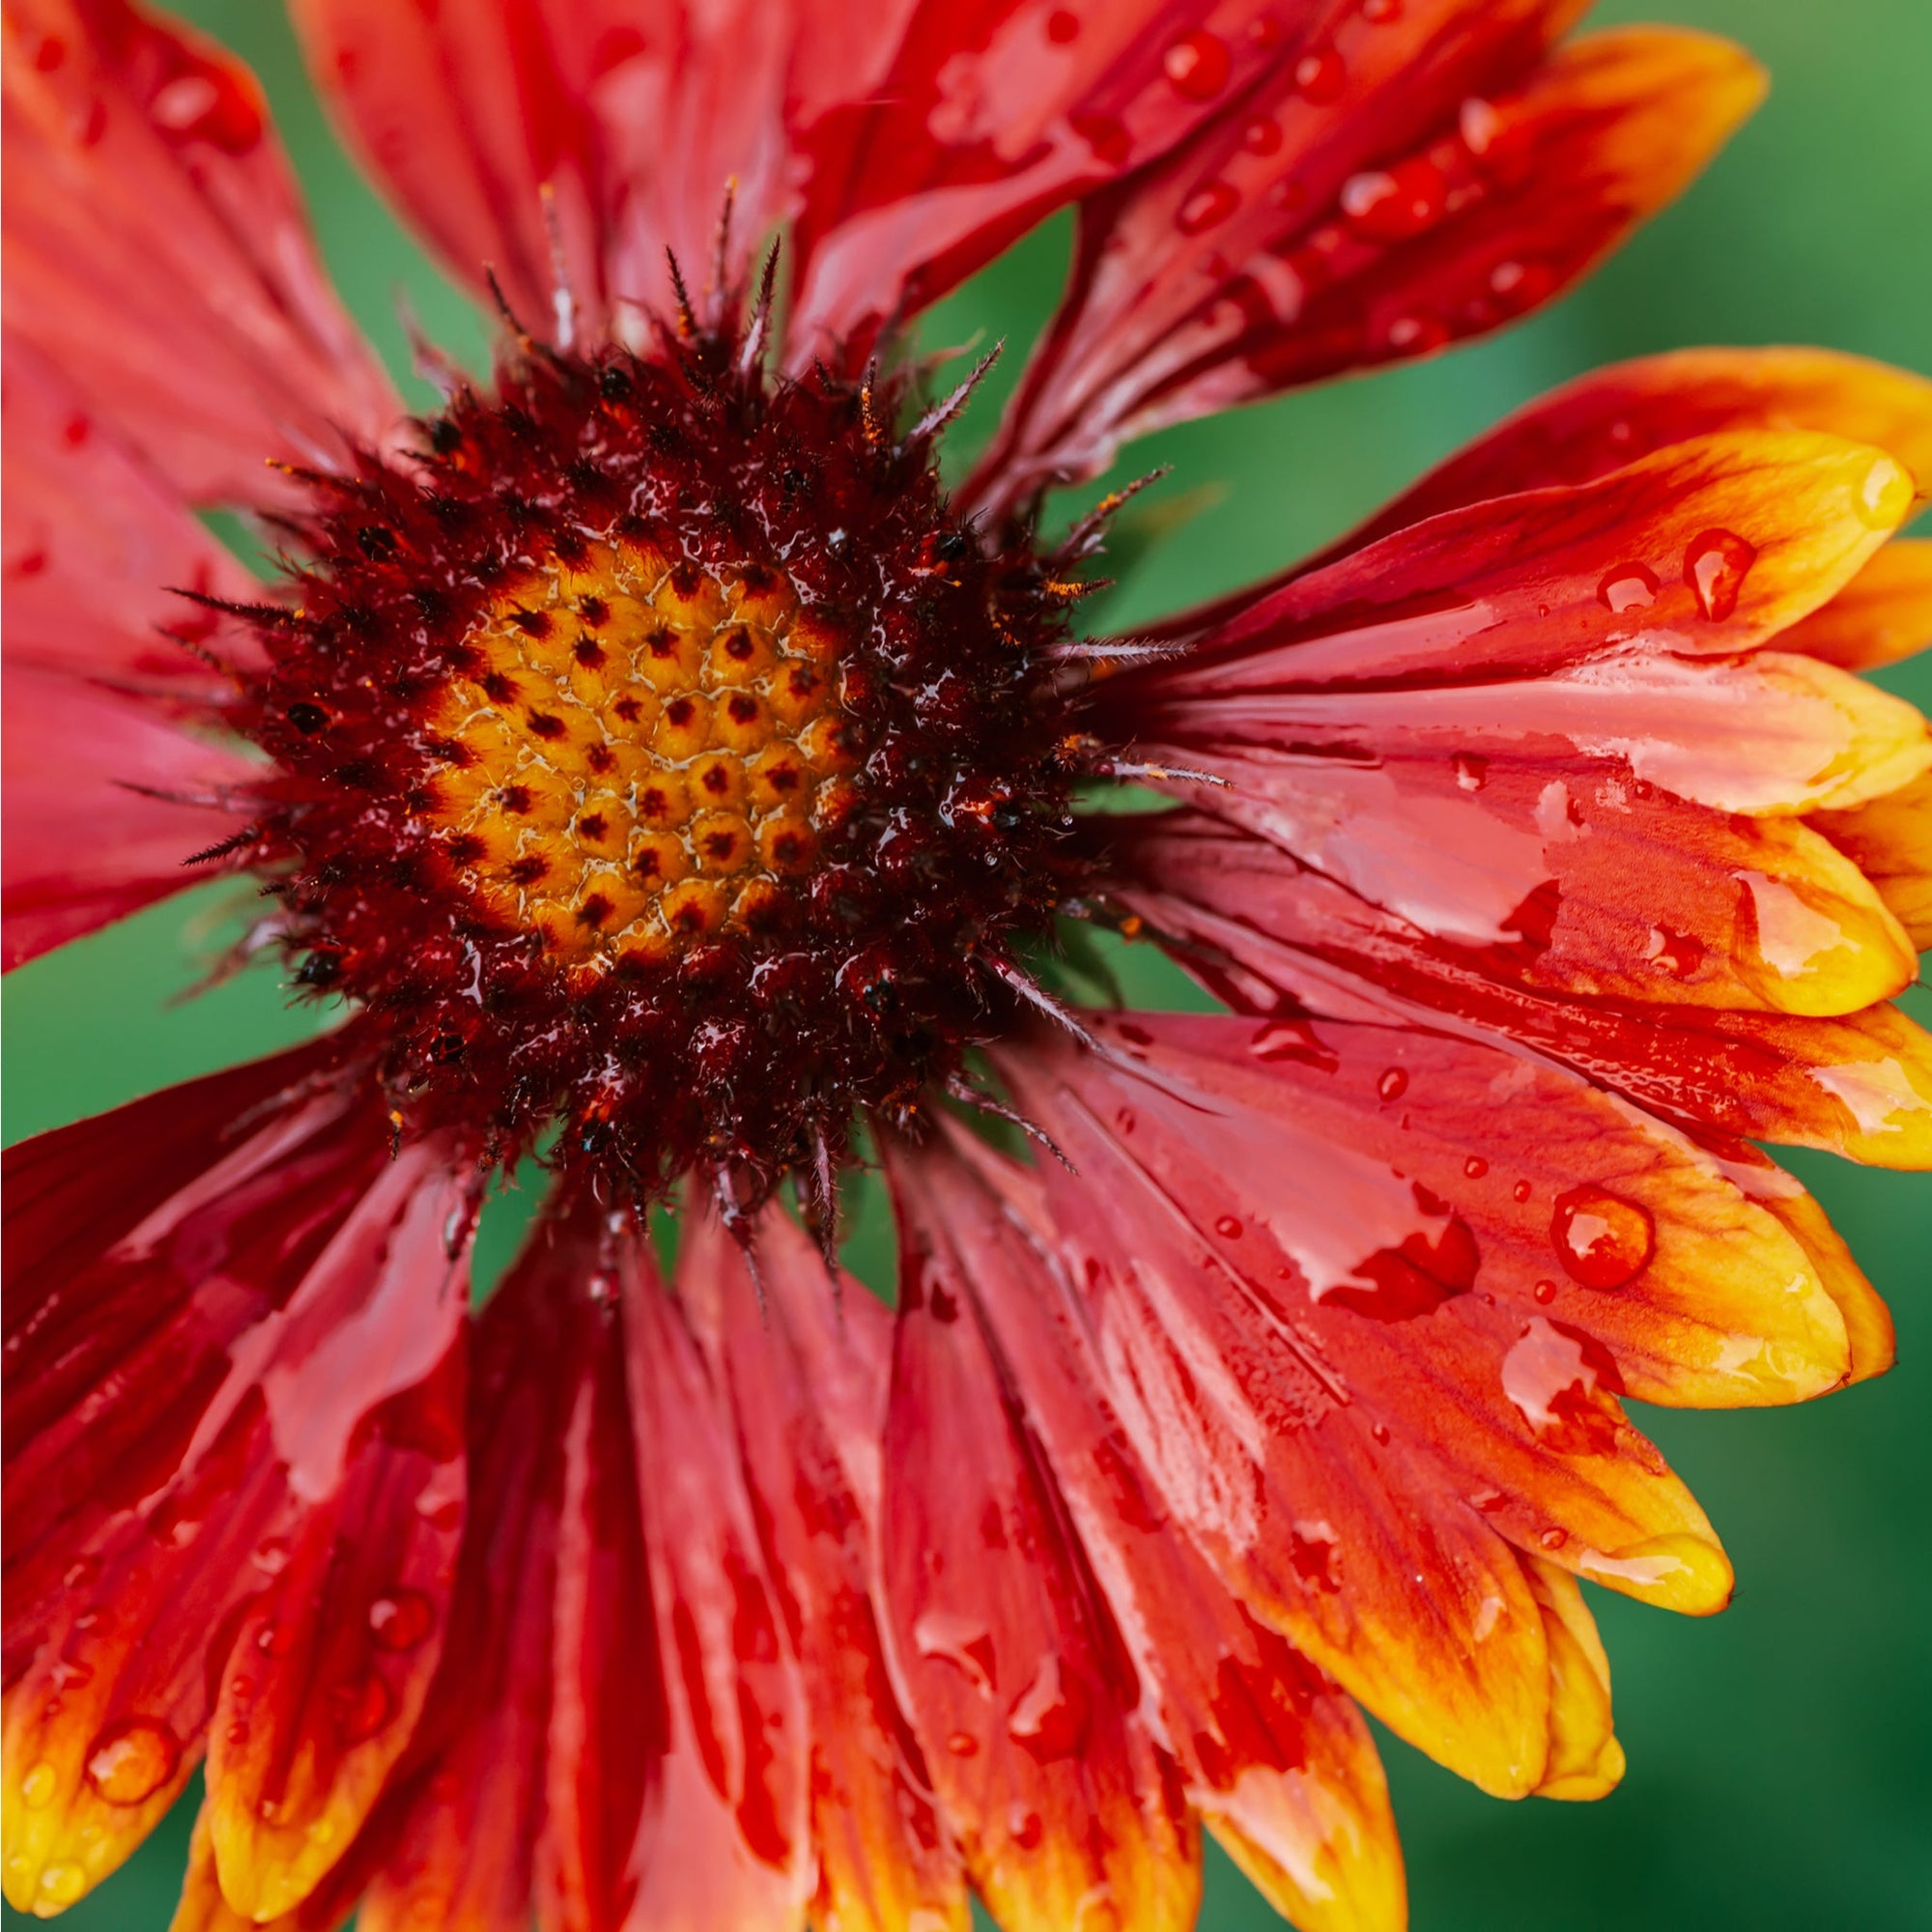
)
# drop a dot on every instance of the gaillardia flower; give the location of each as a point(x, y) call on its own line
point(661, 774)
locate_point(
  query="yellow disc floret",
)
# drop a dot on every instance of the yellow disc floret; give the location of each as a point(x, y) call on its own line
point(640, 753)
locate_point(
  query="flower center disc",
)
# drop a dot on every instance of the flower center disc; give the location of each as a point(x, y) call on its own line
point(641, 754)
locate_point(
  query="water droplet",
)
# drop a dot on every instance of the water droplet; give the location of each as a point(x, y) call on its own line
point(1380, 12)
point(1475, 1167)
point(1395, 203)
point(273, 1555)
point(1417, 334)
point(1197, 65)
point(1314, 1550)
point(1601, 1239)
point(63, 1883)
point(1262, 135)
point(1478, 123)
point(363, 1708)
point(1063, 27)
point(401, 1620)
point(1025, 1827)
point(1381, 1431)
point(1885, 496)
point(1520, 1192)
point(209, 105)
point(1629, 587)
point(274, 1638)
point(1715, 566)
point(1206, 208)
point(1229, 1228)
point(1545, 1292)
point(1125, 1120)
point(1560, 1382)
point(1472, 771)
point(80, 1575)
point(1520, 285)
point(132, 1760)
point(1319, 75)
point(1393, 1084)
point(69, 1675)
point(237, 1733)
point(963, 1743)
point(1553, 1539)
point(37, 1787)
point(1049, 1716)
point(1107, 136)
point(957, 1640)
point(1678, 953)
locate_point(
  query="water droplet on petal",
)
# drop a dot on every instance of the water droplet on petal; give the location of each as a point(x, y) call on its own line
point(1886, 494)
point(1478, 123)
point(1381, 1431)
point(1319, 75)
point(1197, 65)
point(963, 1743)
point(37, 1787)
point(1417, 334)
point(274, 1638)
point(1125, 1120)
point(1601, 1239)
point(1228, 1228)
point(1262, 135)
point(1393, 1084)
point(1629, 587)
point(209, 105)
point(132, 1760)
point(1545, 1292)
point(1715, 566)
point(951, 1638)
point(361, 1708)
point(271, 1557)
point(63, 1883)
point(1206, 206)
point(1520, 1192)
point(1025, 1827)
point(1472, 771)
point(1379, 13)
point(1395, 203)
point(1107, 136)
point(1553, 1539)
point(401, 1620)
point(1475, 1167)
point(1063, 27)
point(1049, 1716)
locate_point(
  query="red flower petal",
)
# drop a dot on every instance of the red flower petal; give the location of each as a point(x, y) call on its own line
point(1010, 1657)
point(725, 1841)
point(985, 119)
point(546, 1728)
point(1417, 1323)
point(106, 800)
point(1367, 203)
point(1278, 1762)
point(1266, 933)
point(157, 252)
point(204, 1280)
point(785, 1344)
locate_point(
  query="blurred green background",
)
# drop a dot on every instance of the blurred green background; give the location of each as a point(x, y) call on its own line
point(1779, 1770)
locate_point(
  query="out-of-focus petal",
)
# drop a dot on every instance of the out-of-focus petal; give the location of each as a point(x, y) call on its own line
point(202, 1908)
point(726, 1841)
point(1406, 184)
point(1277, 1762)
point(987, 117)
point(222, 1298)
point(157, 252)
point(884, 1859)
point(1061, 1803)
point(98, 545)
point(1264, 932)
point(107, 798)
point(1889, 838)
point(1883, 614)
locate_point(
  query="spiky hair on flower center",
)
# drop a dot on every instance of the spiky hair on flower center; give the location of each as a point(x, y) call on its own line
point(658, 759)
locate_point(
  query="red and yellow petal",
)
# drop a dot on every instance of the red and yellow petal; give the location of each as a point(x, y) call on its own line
point(1883, 614)
point(1008, 1653)
point(885, 1860)
point(726, 1838)
point(1585, 1758)
point(1258, 929)
point(1399, 185)
point(1627, 410)
point(157, 252)
point(1889, 838)
point(1277, 1762)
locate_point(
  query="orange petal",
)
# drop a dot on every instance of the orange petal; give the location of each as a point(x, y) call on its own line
point(1258, 930)
point(725, 1840)
point(1586, 1759)
point(332, 1660)
point(1615, 415)
point(202, 1908)
point(1007, 1649)
point(1883, 614)
point(1277, 1761)
point(1889, 838)
point(884, 1859)
point(1395, 185)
